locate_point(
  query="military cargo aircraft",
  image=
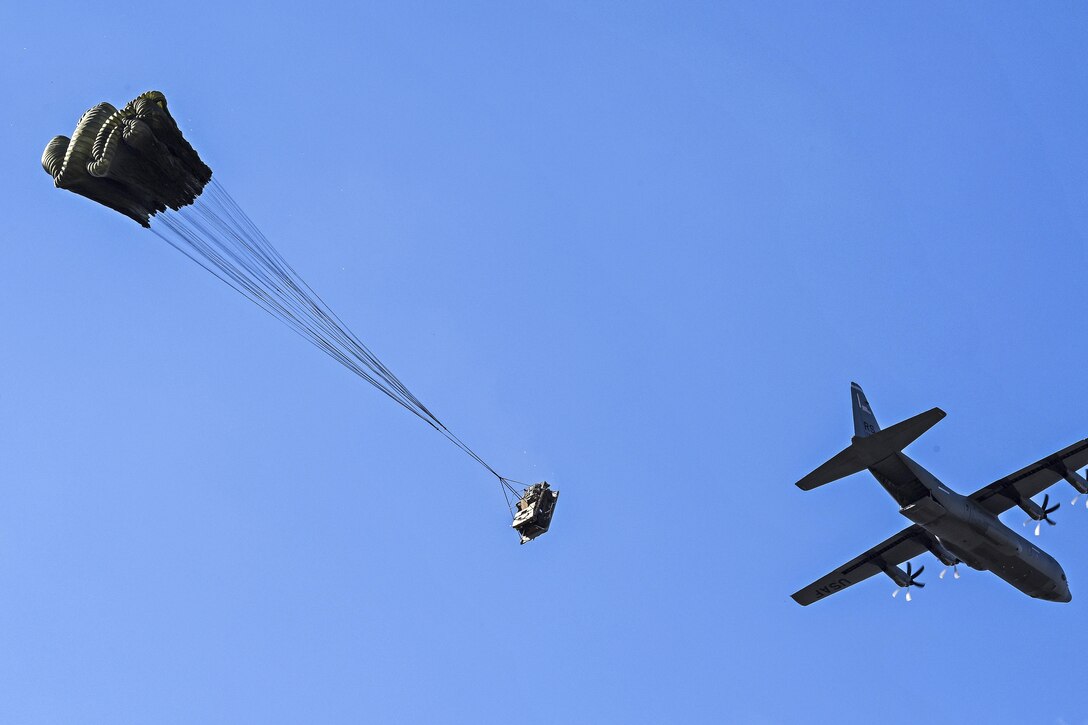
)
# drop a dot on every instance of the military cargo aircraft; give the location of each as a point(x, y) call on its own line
point(954, 528)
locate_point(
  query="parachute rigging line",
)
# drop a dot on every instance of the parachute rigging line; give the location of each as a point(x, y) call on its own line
point(136, 161)
point(217, 234)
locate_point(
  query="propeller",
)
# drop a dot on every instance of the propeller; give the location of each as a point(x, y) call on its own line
point(911, 581)
point(1043, 514)
point(955, 572)
point(1076, 499)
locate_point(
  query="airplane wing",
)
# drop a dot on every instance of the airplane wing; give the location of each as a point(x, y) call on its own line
point(907, 544)
point(1002, 495)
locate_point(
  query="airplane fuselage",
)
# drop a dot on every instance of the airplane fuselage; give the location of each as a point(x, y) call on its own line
point(963, 529)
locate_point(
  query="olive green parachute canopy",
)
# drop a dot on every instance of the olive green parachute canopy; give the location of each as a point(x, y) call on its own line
point(134, 161)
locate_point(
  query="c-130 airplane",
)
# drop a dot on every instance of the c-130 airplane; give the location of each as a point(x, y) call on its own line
point(954, 528)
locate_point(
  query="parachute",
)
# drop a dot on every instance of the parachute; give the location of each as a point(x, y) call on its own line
point(134, 161)
point(137, 162)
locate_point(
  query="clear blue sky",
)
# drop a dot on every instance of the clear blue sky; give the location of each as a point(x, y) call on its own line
point(636, 249)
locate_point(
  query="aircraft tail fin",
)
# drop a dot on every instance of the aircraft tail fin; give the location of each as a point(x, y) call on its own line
point(868, 450)
point(864, 421)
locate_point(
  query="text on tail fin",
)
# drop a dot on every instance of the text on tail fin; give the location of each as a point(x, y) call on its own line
point(864, 421)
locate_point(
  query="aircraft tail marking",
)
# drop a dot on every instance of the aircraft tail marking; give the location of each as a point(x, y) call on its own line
point(866, 451)
point(864, 421)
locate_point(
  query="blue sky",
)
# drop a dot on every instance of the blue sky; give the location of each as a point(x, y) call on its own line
point(638, 250)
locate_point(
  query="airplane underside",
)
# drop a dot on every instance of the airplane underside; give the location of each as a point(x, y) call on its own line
point(953, 527)
point(974, 537)
point(1006, 554)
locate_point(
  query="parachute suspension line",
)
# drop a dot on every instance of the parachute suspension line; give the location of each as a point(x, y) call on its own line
point(506, 496)
point(336, 325)
point(506, 484)
point(216, 234)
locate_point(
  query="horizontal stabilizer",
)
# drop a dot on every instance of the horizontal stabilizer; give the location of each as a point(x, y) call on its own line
point(865, 452)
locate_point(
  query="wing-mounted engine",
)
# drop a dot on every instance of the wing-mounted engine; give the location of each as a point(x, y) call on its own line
point(903, 579)
point(1075, 480)
point(1038, 513)
point(937, 549)
point(943, 555)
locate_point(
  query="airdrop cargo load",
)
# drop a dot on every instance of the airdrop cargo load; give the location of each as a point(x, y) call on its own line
point(535, 509)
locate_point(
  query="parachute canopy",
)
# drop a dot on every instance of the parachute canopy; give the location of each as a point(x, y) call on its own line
point(134, 161)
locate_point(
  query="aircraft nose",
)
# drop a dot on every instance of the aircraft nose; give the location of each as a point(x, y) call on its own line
point(1059, 593)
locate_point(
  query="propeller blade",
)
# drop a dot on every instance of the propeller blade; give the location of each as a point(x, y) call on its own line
point(920, 585)
point(941, 575)
point(908, 595)
point(955, 573)
point(920, 570)
point(895, 593)
point(1075, 500)
point(1037, 527)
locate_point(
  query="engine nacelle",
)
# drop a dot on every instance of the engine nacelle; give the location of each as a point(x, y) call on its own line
point(943, 555)
point(1076, 480)
point(1032, 509)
